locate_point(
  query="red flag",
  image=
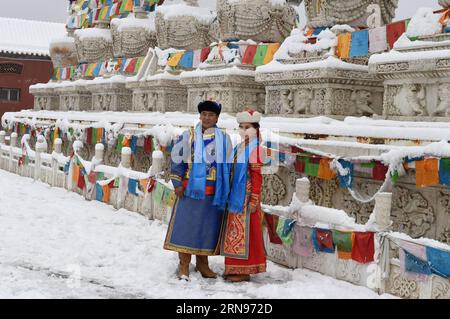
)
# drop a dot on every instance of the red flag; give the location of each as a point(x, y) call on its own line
point(271, 223)
point(394, 32)
point(148, 145)
point(89, 135)
point(363, 247)
point(131, 66)
point(204, 54)
point(379, 171)
point(249, 54)
point(81, 182)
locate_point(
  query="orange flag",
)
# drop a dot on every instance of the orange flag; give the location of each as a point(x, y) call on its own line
point(106, 193)
point(343, 46)
point(75, 173)
point(427, 172)
point(325, 171)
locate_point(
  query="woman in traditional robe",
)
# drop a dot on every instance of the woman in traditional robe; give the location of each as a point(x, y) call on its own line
point(242, 237)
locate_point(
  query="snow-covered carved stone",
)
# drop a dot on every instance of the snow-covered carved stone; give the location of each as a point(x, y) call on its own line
point(410, 100)
point(74, 98)
point(45, 98)
point(94, 45)
point(259, 20)
point(348, 270)
point(400, 286)
point(302, 188)
point(274, 189)
point(440, 288)
point(362, 100)
point(412, 212)
point(63, 52)
point(303, 101)
point(185, 27)
point(133, 37)
point(110, 96)
point(443, 108)
point(382, 210)
point(234, 87)
point(321, 91)
point(375, 19)
point(326, 13)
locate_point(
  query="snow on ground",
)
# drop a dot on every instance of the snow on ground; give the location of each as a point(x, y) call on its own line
point(55, 244)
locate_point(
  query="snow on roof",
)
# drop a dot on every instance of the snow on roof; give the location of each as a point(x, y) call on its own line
point(29, 37)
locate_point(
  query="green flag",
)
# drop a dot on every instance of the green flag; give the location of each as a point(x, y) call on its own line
point(260, 55)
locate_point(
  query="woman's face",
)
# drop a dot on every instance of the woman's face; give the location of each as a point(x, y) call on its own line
point(246, 130)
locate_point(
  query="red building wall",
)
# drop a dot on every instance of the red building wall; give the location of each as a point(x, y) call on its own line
point(34, 70)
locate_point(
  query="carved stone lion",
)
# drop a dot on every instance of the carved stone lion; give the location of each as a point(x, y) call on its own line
point(443, 108)
point(410, 100)
point(302, 101)
point(362, 100)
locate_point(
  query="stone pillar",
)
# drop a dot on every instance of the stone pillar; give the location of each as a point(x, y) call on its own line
point(125, 162)
point(55, 164)
point(2, 142)
point(99, 151)
point(302, 187)
point(12, 144)
point(382, 210)
point(40, 148)
point(157, 163)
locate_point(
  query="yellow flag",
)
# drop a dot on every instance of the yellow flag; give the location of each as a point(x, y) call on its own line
point(175, 59)
point(271, 50)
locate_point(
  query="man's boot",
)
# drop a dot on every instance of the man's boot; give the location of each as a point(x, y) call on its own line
point(203, 267)
point(183, 268)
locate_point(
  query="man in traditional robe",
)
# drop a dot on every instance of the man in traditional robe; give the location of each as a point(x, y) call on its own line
point(200, 173)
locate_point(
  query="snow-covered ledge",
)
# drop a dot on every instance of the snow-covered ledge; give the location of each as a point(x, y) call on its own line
point(383, 275)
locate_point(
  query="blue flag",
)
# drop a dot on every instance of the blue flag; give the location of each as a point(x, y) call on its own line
point(132, 186)
point(98, 192)
point(346, 181)
point(187, 60)
point(439, 261)
point(359, 44)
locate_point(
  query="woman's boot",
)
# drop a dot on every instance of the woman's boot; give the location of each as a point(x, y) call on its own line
point(183, 268)
point(203, 267)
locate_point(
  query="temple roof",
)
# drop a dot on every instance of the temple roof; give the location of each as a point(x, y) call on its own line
point(28, 37)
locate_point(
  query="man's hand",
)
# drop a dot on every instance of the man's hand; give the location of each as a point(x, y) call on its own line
point(179, 191)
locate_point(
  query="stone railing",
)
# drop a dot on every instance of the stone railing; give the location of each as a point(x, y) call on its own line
point(383, 275)
point(49, 168)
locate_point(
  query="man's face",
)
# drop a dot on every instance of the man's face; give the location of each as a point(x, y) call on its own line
point(209, 119)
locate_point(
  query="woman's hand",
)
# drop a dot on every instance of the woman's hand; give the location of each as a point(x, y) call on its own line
point(252, 209)
point(179, 191)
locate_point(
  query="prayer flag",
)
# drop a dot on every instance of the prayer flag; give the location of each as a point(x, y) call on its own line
point(249, 54)
point(378, 40)
point(363, 247)
point(187, 60)
point(394, 31)
point(260, 54)
point(323, 240)
point(344, 244)
point(271, 50)
point(343, 46)
point(427, 172)
point(444, 171)
point(359, 43)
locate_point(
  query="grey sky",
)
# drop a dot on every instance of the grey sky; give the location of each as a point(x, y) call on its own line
point(55, 10)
